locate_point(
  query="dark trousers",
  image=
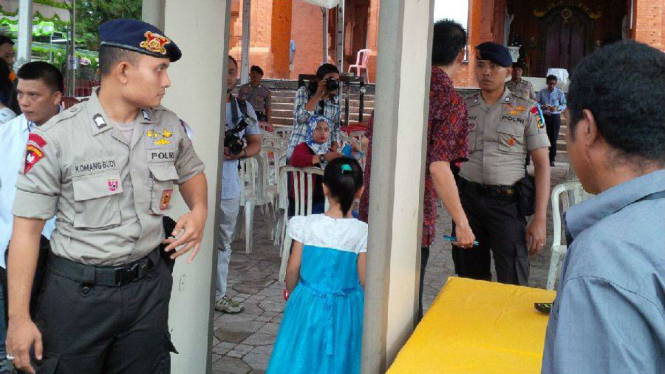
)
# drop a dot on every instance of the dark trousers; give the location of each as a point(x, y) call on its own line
point(44, 248)
point(424, 257)
point(98, 329)
point(500, 230)
point(553, 125)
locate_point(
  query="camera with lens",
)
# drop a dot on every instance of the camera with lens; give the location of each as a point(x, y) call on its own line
point(232, 140)
point(332, 84)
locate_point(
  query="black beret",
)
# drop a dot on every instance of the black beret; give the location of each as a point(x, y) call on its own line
point(496, 53)
point(138, 36)
point(519, 64)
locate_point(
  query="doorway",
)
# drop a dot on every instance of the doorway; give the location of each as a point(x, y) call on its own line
point(567, 38)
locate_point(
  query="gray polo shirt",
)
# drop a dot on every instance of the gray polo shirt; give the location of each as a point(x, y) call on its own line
point(609, 314)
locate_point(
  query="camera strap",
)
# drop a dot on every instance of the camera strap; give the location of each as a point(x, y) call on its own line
point(235, 103)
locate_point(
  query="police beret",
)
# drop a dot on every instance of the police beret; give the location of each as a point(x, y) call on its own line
point(138, 36)
point(519, 64)
point(496, 53)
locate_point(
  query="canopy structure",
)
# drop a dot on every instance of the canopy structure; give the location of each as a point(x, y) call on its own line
point(43, 10)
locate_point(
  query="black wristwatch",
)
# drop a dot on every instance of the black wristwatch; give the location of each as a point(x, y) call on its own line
point(322, 158)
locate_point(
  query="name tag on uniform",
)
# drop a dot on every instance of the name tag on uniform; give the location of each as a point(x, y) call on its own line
point(90, 167)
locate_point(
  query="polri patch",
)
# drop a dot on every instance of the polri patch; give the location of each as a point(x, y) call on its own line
point(165, 200)
point(34, 151)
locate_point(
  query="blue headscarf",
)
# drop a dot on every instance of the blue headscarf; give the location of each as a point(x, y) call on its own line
point(317, 148)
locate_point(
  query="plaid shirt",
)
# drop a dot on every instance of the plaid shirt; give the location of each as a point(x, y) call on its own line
point(301, 116)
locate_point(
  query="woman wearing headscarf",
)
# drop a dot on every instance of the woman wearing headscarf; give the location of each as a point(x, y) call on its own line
point(315, 150)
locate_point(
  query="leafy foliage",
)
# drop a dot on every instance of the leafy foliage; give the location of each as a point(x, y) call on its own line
point(92, 13)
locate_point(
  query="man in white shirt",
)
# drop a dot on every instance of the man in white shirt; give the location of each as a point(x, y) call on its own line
point(40, 90)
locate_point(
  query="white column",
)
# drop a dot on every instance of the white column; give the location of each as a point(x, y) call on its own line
point(197, 93)
point(246, 30)
point(324, 56)
point(402, 98)
point(339, 36)
point(24, 48)
point(152, 11)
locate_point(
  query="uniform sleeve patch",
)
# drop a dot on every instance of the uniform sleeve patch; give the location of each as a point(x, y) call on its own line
point(539, 116)
point(34, 151)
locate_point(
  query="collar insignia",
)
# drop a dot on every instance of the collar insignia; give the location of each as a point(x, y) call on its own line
point(99, 121)
point(155, 43)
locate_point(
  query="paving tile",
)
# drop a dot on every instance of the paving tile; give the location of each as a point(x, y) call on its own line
point(259, 357)
point(237, 332)
point(258, 339)
point(230, 365)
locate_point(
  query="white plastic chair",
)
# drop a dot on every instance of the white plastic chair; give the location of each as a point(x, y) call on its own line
point(303, 181)
point(273, 159)
point(567, 194)
point(251, 196)
point(277, 142)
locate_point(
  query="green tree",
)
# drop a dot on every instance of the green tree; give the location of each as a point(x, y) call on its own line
point(92, 13)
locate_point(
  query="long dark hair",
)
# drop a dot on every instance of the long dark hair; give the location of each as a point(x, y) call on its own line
point(320, 73)
point(344, 178)
point(7, 89)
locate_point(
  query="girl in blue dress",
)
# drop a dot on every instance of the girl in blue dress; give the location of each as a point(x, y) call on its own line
point(321, 332)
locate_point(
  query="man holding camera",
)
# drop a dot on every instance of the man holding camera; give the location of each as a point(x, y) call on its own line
point(239, 114)
point(319, 97)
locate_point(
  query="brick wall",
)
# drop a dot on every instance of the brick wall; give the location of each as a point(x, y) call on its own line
point(307, 32)
point(650, 22)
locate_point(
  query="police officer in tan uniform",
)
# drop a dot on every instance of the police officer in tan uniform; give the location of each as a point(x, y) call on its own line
point(519, 86)
point(257, 94)
point(504, 127)
point(107, 169)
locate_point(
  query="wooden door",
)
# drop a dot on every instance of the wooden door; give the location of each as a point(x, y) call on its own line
point(567, 39)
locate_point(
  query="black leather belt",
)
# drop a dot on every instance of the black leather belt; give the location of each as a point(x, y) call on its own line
point(488, 190)
point(109, 276)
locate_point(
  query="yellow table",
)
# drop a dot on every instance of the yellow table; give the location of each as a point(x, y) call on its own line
point(478, 327)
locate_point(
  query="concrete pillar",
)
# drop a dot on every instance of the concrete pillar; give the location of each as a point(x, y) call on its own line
point(402, 99)
point(24, 47)
point(153, 13)
point(197, 93)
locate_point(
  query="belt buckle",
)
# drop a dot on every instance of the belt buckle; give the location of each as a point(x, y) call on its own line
point(126, 275)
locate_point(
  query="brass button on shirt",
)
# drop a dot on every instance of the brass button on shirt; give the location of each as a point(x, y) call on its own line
point(108, 194)
point(500, 136)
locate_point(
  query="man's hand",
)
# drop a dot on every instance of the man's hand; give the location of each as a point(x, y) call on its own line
point(536, 236)
point(321, 88)
point(188, 231)
point(331, 156)
point(22, 335)
point(464, 235)
point(228, 156)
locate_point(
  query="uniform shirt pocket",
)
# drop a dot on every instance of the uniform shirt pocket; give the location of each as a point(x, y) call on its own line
point(96, 200)
point(511, 136)
point(163, 176)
